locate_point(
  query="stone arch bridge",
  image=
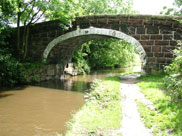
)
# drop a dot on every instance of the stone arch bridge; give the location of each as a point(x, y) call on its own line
point(154, 37)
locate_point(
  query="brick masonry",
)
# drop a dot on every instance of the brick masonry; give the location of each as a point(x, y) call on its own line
point(155, 37)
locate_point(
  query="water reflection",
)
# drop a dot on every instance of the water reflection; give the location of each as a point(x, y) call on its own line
point(81, 83)
point(67, 85)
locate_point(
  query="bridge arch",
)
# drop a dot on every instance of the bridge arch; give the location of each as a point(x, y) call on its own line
point(96, 33)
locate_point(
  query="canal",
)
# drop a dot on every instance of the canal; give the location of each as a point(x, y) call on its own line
point(44, 108)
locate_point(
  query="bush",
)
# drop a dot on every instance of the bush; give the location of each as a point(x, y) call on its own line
point(173, 80)
point(79, 60)
point(11, 70)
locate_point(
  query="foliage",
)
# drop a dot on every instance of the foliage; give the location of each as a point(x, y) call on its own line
point(105, 53)
point(176, 10)
point(65, 11)
point(13, 72)
point(32, 11)
point(111, 53)
point(90, 7)
point(28, 12)
point(166, 118)
point(102, 112)
point(79, 59)
point(10, 69)
point(173, 80)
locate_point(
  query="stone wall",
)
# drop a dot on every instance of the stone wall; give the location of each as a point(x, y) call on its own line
point(46, 72)
point(158, 35)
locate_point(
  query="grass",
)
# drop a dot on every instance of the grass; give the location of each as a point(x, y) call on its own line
point(166, 119)
point(101, 114)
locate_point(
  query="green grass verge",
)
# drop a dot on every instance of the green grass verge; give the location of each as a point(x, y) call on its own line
point(166, 119)
point(101, 114)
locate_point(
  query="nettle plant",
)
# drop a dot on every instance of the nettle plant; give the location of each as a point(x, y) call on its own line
point(173, 80)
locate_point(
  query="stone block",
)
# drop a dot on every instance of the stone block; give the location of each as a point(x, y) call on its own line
point(48, 77)
point(145, 37)
point(159, 54)
point(157, 22)
point(165, 31)
point(131, 30)
point(152, 30)
point(150, 54)
point(167, 49)
point(177, 36)
point(113, 21)
point(173, 43)
point(44, 34)
point(162, 42)
point(168, 55)
point(102, 21)
point(135, 21)
point(50, 70)
point(167, 37)
point(156, 37)
point(136, 37)
point(52, 34)
point(151, 59)
point(161, 60)
point(42, 78)
point(147, 48)
point(156, 48)
point(148, 22)
point(150, 42)
point(140, 30)
point(123, 20)
point(59, 32)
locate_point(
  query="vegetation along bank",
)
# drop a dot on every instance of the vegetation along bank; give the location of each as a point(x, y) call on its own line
point(101, 114)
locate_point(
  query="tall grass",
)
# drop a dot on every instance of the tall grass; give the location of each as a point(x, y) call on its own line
point(166, 119)
point(101, 115)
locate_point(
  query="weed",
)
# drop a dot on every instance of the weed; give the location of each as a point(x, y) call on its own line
point(101, 114)
point(166, 119)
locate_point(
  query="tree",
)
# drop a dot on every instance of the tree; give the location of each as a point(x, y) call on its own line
point(105, 53)
point(90, 7)
point(28, 12)
point(176, 10)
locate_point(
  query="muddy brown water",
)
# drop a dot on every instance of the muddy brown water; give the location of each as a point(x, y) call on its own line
point(44, 109)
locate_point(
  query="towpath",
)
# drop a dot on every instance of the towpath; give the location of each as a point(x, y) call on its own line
point(131, 123)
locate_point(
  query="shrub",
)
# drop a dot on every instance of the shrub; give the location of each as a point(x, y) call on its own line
point(11, 70)
point(173, 80)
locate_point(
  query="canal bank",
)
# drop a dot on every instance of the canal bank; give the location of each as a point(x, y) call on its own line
point(101, 114)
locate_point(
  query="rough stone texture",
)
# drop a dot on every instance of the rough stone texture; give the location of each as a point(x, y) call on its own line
point(50, 71)
point(70, 70)
point(153, 36)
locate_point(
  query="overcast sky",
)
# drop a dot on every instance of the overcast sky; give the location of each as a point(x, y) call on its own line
point(153, 7)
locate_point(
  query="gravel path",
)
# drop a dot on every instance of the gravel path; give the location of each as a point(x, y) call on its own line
point(131, 123)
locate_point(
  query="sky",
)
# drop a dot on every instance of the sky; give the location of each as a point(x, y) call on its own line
point(152, 7)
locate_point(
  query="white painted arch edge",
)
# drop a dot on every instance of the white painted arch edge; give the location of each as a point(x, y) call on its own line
point(97, 31)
